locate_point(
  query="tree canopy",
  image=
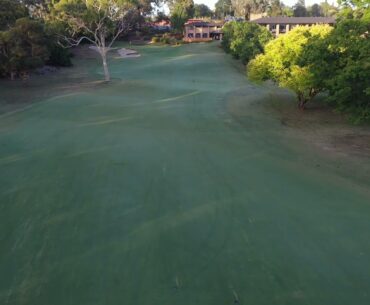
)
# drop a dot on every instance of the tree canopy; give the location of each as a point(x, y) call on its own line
point(98, 21)
point(202, 10)
point(244, 40)
point(23, 47)
point(299, 9)
point(244, 8)
point(180, 10)
point(341, 63)
point(10, 11)
point(282, 62)
point(224, 8)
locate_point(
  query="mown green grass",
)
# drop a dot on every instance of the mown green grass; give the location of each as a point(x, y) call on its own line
point(147, 191)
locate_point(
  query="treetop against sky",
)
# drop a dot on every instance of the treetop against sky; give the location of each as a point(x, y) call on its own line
point(211, 3)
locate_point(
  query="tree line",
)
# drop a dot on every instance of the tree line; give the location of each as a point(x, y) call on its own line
point(244, 8)
point(333, 61)
point(38, 32)
point(182, 10)
point(26, 42)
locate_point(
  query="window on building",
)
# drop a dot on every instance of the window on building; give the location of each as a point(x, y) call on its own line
point(282, 28)
point(205, 35)
point(197, 35)
point(273, 26)
point(190, 35)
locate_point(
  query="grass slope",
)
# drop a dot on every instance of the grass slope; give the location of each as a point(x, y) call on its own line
point(147, 191)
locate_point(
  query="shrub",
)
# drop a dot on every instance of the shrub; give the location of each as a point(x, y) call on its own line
point(244, 40)
point(282, 62)
point(59, 56)
point(341, 63)
point(23, 47)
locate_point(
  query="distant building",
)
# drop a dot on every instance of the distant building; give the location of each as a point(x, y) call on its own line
point(161, 26)
point(196, 30)
point(282, 25)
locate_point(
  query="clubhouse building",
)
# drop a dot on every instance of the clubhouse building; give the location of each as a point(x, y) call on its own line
point(196, 30)
point(281, 25)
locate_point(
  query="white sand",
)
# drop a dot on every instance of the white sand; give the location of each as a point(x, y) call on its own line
point(123, 52)
point(128, 53)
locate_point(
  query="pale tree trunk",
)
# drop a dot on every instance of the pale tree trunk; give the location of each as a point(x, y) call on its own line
point(98, 30)
point(103, 54)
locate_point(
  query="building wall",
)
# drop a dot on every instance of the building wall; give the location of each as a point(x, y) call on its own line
point(198, 33)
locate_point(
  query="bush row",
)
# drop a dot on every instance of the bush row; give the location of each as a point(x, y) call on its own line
point(310, 60)
point(167, 38)
point(244, 40)
point(322, 59)
point(26, 43)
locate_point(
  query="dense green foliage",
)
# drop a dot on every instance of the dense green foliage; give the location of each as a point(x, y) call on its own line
point(355, 9)
point(202, 10)
point(342, 63)
point(323, 59)
point(244, 40)
point(181, 11)
point(23, 47)
point(299, 9)
point(10, 11)
point(244, 8)
point(27, 43)
point(32, 32)
point(282, 62)
point(166, 38)
point(223, 8)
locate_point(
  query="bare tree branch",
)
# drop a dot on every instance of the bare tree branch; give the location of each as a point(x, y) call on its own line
point(108, 20)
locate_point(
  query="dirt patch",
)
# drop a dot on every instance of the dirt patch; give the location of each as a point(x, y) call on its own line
point(319, 133)
point(321, 126)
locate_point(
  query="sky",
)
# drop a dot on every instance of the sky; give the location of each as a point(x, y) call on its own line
point(211, 3)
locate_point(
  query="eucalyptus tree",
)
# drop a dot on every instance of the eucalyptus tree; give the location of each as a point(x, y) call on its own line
point(299, 9)
point(275, 8)
point(100, 22)
point(202, 10)
point(224, 8)
point(315, 10)
point(244, 8)
point(180, 11)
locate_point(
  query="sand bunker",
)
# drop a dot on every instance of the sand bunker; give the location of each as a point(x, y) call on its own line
point(128, 53)
point(123, 52)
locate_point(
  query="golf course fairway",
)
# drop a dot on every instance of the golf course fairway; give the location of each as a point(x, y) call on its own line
point(151, 190)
